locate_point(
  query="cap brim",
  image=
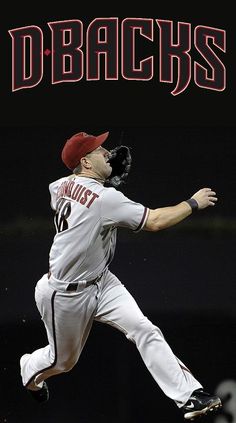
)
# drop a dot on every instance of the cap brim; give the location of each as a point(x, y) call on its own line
point(99, 140)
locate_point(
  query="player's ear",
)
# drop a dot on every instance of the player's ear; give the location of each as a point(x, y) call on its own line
point(85, 162)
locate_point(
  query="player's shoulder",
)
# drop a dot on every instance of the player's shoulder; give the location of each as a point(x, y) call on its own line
point(112, 193)
point(110, 190)
point(54, 184)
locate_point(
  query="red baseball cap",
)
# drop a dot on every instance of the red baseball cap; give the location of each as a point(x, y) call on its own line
point(78, 146)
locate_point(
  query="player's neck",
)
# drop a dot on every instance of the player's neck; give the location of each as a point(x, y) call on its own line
point(92, 175)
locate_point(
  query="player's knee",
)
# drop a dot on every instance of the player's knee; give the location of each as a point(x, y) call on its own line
point(144, 331)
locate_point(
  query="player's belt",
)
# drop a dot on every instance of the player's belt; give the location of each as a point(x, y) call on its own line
point(73, 286)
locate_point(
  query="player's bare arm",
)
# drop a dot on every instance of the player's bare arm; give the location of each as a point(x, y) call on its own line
point(165, 217)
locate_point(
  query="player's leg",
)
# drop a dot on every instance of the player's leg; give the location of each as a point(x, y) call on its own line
point(117, 307)
point(68, 318)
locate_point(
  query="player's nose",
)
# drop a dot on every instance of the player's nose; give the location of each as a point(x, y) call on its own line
point(108, 156)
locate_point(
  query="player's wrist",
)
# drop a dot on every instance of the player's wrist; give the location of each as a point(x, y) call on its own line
point(193, 204)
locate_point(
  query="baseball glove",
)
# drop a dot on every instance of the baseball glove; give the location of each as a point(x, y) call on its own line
point(120, 162)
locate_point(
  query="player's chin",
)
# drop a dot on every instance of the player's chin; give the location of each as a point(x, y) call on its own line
point(108, 170)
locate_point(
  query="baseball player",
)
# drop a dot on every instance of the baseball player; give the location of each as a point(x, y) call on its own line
point(79, 287)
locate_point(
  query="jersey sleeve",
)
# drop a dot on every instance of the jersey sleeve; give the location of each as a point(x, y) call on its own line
point(118, 210)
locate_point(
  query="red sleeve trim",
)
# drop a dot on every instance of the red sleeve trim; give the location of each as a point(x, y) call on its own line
point(143, 220)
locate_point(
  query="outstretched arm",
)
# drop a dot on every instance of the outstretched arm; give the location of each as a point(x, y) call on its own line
point(165, 217)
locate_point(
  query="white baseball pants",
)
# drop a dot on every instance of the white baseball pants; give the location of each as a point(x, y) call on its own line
point(68, 318)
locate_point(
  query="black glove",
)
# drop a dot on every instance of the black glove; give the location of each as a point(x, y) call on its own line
point(120, 162)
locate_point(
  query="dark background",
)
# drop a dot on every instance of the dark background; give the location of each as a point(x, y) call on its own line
point(183, 278)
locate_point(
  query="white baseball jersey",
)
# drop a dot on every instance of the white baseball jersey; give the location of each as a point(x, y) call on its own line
point(87, 217)
point(86, 220)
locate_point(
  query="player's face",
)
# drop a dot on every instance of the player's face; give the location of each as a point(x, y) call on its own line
point(100, 164)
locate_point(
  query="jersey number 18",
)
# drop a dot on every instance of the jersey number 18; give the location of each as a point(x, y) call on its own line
point(62, 213)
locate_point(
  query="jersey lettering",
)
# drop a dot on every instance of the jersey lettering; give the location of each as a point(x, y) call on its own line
point(62, 214)
point(77, 192)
